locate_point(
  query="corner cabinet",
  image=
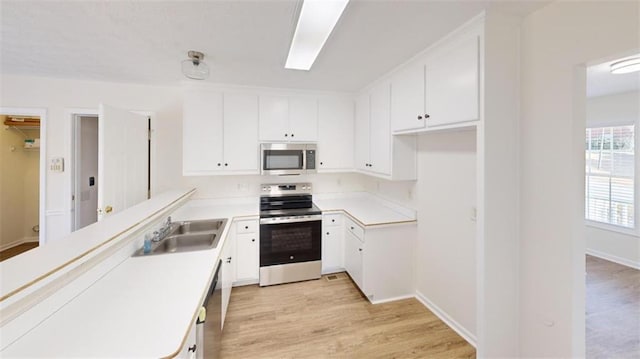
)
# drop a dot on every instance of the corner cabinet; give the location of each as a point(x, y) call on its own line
point(440, 89)
point(220, 133)
point(228, 274)
point(379, 259)
point(335, 135)
point(288, 118)
point(377, 152)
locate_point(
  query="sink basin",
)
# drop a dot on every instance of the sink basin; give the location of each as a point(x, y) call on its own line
point(206, 225)
point(188, 236)
point(186, 243)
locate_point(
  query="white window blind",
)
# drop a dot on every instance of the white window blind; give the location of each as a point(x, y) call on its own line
point(609, 188)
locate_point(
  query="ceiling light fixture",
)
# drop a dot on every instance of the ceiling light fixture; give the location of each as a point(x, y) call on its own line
point(194, 67)
point(315, 23)
point(626, 66)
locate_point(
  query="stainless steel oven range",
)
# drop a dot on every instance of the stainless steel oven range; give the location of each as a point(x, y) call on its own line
point(290, 234)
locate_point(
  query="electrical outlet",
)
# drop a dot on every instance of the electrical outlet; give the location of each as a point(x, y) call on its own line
point(474, 214)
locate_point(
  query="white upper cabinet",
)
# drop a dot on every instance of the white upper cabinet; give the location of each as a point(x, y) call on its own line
point(377, 152)
point(407, 99)
point(303, 119)
point(335, 134)
point(288, 119)
point(241, 132)
point(361, 138)
point(202, 134)
point(441, 88)
point(452, 83)
point(219, 133)
point(380, 131)
point(274, 118)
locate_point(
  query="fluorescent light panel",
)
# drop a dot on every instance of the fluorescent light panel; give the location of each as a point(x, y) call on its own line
point(317, 20)
point(626, 66)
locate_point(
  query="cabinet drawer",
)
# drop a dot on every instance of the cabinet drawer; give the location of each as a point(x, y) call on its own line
point(247, 226)
point(354, 228)
point(332, 220)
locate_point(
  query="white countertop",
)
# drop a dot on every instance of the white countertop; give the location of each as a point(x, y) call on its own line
point(365, 208)
point(145, 306)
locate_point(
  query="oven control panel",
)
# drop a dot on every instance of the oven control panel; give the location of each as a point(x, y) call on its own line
point(285, 188)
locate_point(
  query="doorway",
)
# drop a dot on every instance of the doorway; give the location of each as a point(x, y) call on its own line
point(612, 229)
point(19, 184)
point(88, 175)
point(85, 171)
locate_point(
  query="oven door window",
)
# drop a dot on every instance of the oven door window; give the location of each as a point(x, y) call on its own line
point(283, 160)
point(290, 243)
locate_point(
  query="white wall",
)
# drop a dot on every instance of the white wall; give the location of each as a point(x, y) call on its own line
point(556, 43)
point(58, 96)
point(614, 110)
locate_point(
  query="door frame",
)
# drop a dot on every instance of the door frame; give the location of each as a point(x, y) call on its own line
point(75, 115)
point(71, 114)
point(42, 113)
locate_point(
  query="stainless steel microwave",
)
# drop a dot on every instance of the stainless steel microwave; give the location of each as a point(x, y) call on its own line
point(287, 158)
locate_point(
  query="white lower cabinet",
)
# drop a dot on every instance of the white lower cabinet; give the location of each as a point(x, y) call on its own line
point(332, 243)
point(189, 349)
point(353, 253)
point(228, 274)
point(379, 259)
point(246, 235)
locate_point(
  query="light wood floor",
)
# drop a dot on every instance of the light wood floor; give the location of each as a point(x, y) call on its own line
point(14, 251)
point(321, 318)
point(613, 310)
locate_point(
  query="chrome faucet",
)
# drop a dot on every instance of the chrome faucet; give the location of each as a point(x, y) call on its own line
point(163, 231)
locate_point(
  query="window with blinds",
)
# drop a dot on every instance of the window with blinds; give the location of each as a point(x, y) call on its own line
point(609, 196)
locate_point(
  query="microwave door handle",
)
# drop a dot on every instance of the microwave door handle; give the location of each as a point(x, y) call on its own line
point(304, 160)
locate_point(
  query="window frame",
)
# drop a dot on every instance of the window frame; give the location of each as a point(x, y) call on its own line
point(635, 230)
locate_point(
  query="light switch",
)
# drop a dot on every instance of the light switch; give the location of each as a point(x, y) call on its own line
point(57, 164)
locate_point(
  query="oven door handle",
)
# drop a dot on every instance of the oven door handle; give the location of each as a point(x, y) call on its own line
point(295, 219)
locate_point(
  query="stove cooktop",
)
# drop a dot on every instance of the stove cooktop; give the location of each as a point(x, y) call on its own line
point(290, 212)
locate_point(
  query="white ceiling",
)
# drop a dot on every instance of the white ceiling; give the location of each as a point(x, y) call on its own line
point(601, 82)
point(245, 42)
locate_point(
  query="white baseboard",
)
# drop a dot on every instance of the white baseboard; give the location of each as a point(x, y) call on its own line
point(387, 300)
point(18, 242)
point(242, 282)
point(463, 332)
point(614, 259)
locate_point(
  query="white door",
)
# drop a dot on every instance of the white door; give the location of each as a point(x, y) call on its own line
point(123, 159)
point(335, 134)
point(452, 78)
point(362, 133)
point(407, 99)
point(241, 151)
point(353, 249)
point(274, 118)
point(202, 133)
point(303, 119)
point(248, 257)
point(380, 146)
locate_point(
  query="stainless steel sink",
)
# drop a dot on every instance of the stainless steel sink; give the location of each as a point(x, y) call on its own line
point(206, 225)
point(188, 236)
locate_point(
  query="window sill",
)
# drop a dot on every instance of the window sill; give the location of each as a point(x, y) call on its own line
point(612, 228)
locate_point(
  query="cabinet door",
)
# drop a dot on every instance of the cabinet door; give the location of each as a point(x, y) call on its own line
point(248, 257)
point(353, 252)
point(202, 132)
point(407, 99)
point(362, 133)
point(332, 248)
point(228, 273)
point(335, 134)
point(452, 81)
point(380, 145)
point(303, 119)
point(241, 133)
point(274, 118)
